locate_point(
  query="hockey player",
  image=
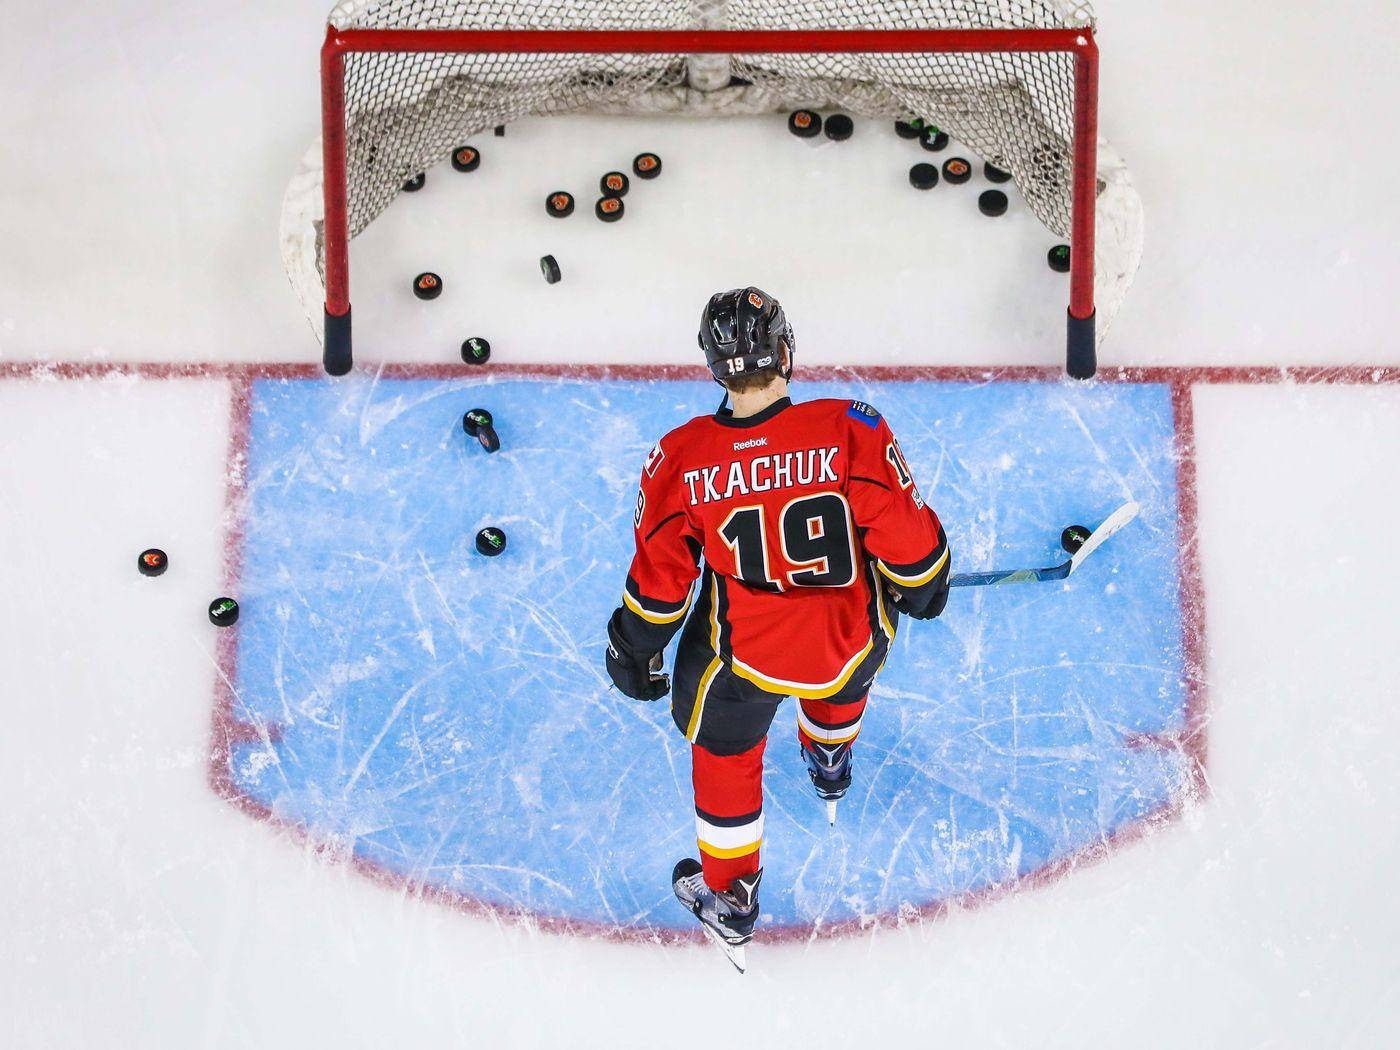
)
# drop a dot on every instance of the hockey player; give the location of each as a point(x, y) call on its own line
point(810, 538)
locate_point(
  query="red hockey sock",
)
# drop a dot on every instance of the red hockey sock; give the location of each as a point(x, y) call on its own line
point(728, 812)
point(829, 723)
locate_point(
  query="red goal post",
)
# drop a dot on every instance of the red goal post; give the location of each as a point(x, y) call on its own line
point(1080, 358)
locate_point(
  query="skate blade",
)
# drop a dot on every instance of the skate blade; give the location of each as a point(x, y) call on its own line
point(831, 812)
point(733, 952)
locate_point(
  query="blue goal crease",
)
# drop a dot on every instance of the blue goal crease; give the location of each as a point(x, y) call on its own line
point(448, 713)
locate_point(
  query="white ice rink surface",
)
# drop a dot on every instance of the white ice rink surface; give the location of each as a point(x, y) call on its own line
point(148, 153)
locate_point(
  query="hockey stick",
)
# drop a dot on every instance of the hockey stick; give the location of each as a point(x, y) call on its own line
point(1115, 521)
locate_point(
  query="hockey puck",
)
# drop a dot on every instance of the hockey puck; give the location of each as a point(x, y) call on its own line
point(991, 202)
point(804, 123)
point(1058, 258)
point(152, 562)
point(995, 174)
point(923, 176)
point(559, 204)
point(427, 285)
point(465, 158)
point(1073, 538)
point(476, 351)
point(490, 541)
point(500, 131)
point(223, 612)
point(839, 127)
point(614, 184)
point(956, 170)
point(609, 209)
point(550, 268)
point(478, 423)
point(414, 184)
point(909, 129)
point(932, 139)
point(646, 165)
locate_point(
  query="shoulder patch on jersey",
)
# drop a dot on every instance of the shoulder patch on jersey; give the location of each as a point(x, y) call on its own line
point(866, 414)
point(654, 458)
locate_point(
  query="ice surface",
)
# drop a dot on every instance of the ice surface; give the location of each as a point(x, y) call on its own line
point(446, 716)
point(149, 148)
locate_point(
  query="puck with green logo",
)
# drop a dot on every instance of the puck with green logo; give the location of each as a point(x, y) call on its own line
point(223, 612)
point(490, 541)
point(476, 351)
point(1058, 258)
point(1073, 538)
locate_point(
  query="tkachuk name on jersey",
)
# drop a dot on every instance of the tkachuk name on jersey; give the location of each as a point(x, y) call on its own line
point(781, 470)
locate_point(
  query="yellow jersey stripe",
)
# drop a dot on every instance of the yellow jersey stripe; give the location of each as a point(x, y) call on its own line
point(919, 580)
point(651, 617)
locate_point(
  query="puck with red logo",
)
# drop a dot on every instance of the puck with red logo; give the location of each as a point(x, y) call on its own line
point(427, 285)
point(646, 165)
point(609, 209)
point(465, 158)
point(956, 170)
point(923, 176)
point(614, 184)
point(559, 204)
point(152, 562)
point(805, 123)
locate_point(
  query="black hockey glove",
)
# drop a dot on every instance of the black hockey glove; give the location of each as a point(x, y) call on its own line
point(915, 606)
point(633, 675)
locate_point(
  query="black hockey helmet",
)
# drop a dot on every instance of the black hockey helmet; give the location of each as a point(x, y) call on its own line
point(743, 331)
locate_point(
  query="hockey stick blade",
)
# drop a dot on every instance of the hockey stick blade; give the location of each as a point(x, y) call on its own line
point(1113, 523)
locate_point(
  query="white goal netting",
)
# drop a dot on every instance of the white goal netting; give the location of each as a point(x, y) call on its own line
point(404, 112)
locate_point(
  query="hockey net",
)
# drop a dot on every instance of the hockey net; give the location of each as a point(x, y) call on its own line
point(404, 82)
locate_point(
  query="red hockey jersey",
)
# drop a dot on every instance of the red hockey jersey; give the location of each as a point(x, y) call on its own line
point(800, 516)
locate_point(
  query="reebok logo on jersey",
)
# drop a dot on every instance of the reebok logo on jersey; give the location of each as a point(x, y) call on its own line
point(739, 446)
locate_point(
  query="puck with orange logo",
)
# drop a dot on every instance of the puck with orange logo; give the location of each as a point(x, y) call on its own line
point(614, 184)
point(804, 123)
point(956, 170)
point(559, 204)
point(152, 562)
point(646, 165)
point(465, 158)
point(427, 285)
point(609, 209)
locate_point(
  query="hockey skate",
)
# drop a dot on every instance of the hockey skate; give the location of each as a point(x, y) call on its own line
point(829, 766)
point(726, 916)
